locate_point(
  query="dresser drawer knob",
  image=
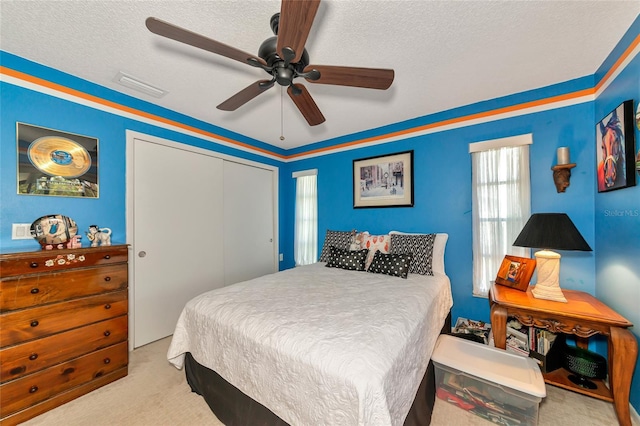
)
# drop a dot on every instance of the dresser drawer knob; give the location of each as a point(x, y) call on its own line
point(33, 357)
point(107, 256)
point(107, 306)
point(35, 290)
point(107, 279)
point(107, 333)
point(34, 264)
point(107, 360)
point(34, 323)
point(33, 389)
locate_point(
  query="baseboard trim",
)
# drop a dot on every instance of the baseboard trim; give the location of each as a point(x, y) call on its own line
point(635, 418)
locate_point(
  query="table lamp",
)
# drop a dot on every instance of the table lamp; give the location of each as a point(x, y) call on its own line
point(550, 231)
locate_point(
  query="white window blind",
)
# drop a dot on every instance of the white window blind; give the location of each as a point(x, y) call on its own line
point(306, 220)
point(501, 204)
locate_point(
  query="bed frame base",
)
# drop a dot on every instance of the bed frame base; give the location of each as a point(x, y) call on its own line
point(233, 408)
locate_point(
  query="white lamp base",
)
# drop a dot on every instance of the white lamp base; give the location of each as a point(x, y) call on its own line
point(548, 285)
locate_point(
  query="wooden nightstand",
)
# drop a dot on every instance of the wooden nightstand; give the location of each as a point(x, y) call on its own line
point(583, 316)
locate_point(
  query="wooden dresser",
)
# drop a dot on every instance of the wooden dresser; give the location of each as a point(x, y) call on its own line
point(63, 326)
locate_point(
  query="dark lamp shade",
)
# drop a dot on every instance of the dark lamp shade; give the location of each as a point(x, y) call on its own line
point(553, 231)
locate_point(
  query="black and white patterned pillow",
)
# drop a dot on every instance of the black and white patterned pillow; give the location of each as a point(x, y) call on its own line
point(420, 246)
point(352, 260)
point(338, 239)
point(396, 265)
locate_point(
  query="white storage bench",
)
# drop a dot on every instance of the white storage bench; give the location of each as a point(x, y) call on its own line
point(499, 386)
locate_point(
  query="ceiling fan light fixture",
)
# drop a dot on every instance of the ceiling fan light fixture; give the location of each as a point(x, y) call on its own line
point(139, 85)
point(284, 57)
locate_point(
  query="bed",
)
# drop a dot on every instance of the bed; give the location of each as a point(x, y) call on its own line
point(315, 345)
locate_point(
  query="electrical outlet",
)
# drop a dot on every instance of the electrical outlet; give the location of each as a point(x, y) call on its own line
point(21, 231)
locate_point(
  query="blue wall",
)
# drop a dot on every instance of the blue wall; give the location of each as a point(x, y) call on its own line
point(617, 214)
point(18, 104)
point(442, 176)
point(442, 184)
point(34, 108)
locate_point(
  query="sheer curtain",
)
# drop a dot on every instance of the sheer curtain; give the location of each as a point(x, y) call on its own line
point(501, 204)
point(306, 221)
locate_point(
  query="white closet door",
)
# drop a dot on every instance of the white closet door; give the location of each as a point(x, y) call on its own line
point(249, 248)
point(178, 234)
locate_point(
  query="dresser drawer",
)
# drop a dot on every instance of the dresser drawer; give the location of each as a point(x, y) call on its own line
point(26, 324)
point(59, 260)
point(26, 391)
point(20, 360)
point(32, 290)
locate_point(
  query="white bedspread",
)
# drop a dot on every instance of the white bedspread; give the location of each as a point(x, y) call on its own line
point(317, 345)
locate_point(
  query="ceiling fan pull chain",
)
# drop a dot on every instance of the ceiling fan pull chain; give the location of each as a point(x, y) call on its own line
point(281, 113)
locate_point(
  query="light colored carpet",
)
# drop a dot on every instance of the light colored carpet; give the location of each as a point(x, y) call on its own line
point(157, 394)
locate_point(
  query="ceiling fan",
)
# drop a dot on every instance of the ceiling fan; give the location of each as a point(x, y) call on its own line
point(284, 58)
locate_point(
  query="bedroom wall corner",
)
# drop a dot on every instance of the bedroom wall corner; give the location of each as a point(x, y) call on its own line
point(617, 213)
point(287, 215)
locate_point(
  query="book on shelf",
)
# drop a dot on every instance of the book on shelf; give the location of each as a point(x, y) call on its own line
point(544, 341)
point(517, 342)
point(540, 344)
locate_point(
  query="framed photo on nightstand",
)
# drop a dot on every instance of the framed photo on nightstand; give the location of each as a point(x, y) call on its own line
point(516, 272)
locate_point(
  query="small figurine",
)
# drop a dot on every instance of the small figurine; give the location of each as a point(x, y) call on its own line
point(99, 236)
point(75, 242)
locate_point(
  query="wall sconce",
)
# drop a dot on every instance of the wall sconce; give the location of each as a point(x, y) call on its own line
point(562, 171)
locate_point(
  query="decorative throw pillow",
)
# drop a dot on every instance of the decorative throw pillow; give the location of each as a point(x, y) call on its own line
point(373, 243)
point(439, 245)
point(420, 246)
point(396, 265)
point(356, 240)
point(347, 259)
point(339, 239)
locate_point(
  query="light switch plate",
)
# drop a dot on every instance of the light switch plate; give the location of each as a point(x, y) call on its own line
point(21, 231)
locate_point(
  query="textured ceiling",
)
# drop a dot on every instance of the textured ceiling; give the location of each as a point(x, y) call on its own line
point(445, 54)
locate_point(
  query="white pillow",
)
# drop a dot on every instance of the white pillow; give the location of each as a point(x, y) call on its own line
point(439, 244)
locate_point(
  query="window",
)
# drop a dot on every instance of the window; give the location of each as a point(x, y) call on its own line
point(501, 204)
point(306, 222)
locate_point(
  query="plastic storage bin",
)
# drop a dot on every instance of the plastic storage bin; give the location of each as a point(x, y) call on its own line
point(499, 386)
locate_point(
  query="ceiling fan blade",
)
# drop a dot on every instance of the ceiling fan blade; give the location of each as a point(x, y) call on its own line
point(245, 95)
point(306, 104)
point(369, 78)
point(174, 32)
point(296, 18)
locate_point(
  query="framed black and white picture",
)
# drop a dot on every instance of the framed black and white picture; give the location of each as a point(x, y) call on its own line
point(383, 181)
